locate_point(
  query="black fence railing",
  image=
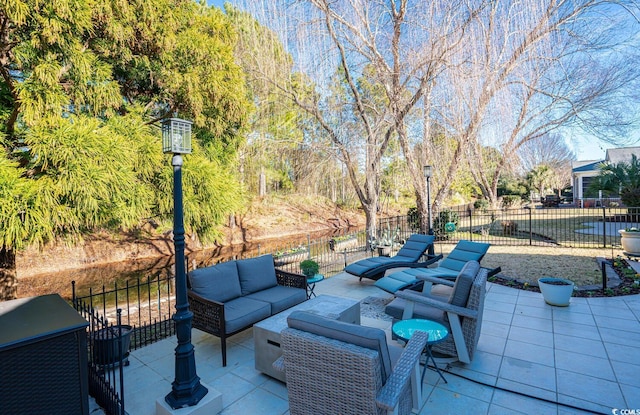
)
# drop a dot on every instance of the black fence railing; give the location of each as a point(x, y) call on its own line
point(142, 312)
point(569, 227)
point(106, 350)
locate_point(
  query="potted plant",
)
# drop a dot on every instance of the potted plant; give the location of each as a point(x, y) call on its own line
point(309, 268)
point(630, 240)
point(556, 291)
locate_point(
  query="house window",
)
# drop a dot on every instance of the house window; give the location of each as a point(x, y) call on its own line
point(586, 192)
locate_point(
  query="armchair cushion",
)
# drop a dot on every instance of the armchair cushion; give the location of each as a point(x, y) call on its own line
point(464, 281)
point(218, 283)
point(257, 274)
point(368, 337)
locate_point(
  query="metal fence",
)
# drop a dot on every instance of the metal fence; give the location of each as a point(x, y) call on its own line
point(142, 315)
point(562, 226)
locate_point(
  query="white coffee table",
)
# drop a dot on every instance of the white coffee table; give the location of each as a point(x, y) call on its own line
point(266, 334)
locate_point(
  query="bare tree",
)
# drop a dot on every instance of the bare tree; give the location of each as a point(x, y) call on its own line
point(373, 64)
point(485, 77)
point(533, 67)
point(550, 149)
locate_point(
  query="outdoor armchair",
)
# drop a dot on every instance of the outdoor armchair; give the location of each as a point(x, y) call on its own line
point(447, 268)
point(461, 312)
point(408, 256)
point(333, 367)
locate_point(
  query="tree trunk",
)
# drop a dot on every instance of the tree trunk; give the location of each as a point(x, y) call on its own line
point(8, 275)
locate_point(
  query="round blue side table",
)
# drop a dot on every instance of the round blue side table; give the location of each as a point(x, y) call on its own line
point(404, 329)
point(311, 284)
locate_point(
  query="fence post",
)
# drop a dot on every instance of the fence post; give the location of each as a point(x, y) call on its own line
point(121, 354)
point(530, 226)
point(309, 246)
point(470, 223)
point(604, 227)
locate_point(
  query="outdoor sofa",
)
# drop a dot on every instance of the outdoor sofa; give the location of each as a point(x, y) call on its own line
point(230, 297)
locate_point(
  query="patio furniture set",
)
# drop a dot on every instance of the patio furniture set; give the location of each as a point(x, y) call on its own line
point(331, 363)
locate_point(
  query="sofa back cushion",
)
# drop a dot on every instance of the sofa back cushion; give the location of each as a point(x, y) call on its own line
point(257, 274)
point(218, 283)
point(368, 337)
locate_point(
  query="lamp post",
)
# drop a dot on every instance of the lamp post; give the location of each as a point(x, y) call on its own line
point(427, 175)
point(186, 388)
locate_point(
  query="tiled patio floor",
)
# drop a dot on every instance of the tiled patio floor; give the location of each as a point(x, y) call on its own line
point(532, 359)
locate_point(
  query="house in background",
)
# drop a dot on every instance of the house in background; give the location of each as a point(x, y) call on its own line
point(583, 172)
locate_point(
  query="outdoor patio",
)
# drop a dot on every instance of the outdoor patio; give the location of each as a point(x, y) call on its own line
point(585, 357)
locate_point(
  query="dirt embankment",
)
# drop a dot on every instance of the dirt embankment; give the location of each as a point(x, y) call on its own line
point(269, 218)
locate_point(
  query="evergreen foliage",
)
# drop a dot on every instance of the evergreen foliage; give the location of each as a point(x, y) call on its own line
point(84, 86)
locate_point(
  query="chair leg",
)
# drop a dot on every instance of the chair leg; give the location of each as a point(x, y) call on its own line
point(458, 338)
point(416, 387)
point(223, 345)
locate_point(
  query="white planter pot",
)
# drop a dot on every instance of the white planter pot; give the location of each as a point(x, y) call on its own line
point(630, 241)
point(556, 291)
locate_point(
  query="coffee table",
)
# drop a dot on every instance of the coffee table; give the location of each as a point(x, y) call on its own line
point(266, 334)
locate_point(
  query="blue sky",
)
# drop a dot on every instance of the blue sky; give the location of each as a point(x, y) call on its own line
point(217, 3)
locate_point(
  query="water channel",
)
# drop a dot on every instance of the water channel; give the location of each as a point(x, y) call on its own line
point(97, 277)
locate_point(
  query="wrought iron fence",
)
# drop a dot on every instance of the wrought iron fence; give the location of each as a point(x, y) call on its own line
point(142, 313)
point(562, 226)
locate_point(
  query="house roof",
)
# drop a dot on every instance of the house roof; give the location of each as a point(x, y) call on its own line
point(590, 166)
point(619, 155)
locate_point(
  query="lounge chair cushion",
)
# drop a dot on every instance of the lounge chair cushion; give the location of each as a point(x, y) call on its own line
point(257, 274)
point(464, 252)
point(280, 297)
point(244, 312)
point(219, 283)
point(364, 265)
point(368, 337)
point(402, 279)
point(413, 249)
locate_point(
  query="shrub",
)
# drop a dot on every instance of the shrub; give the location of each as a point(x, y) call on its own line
point(481, 204)
point(309, 267)
point(509, 201)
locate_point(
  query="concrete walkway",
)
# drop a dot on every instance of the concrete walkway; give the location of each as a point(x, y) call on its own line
point(532, 358)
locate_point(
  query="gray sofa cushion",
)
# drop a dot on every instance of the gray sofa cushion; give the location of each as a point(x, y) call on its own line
point(257, 274)
point(244, 312)
point(218, 283)
point(280, 297)
point(369, 337)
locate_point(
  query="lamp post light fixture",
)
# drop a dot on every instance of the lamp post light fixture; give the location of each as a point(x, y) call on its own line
point(186, 388)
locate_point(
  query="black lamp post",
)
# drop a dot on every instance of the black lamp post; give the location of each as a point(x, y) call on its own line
point(427, 174)
point(186, 388)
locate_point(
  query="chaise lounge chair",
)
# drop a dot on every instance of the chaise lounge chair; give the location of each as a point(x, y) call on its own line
point(408, 256)
point(448, 268)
